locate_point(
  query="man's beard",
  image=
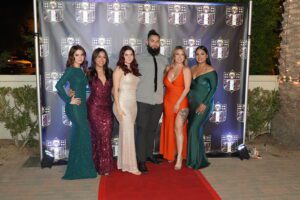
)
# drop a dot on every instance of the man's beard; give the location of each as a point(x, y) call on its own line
point(153, 52)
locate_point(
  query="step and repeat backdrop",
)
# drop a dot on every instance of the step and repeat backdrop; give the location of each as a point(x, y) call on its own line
point(221, 27)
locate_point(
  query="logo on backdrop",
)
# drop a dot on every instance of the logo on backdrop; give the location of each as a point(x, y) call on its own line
point(44, 46)
point(135, 43)
point(65, 119)
point(177, 14)
point(229, 142)
point(116, 13)
point(219, 49)
point(51, 79)
point(85, 12)
point(53, 11)
point(67, 43)
point(46, 116)
point(234, 16)
point(207, 142)
point(231, 81)
point(58, 147)
point(102, 42)
point(190, 46)
point(240, 110)
point(219, 113)
point(147, 14)
point(165, 46)
point(206, 15)
point(243, 49)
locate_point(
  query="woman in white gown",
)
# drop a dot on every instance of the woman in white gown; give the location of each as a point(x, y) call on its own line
point(125, 82)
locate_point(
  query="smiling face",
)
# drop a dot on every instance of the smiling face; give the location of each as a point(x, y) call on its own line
point(100, 59)
point(78, 58)
point(201, 56)
point(179, 56)
point(128, 57)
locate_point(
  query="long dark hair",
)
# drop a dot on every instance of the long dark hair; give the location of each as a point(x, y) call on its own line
point(133, 65)
point(203, 48)
point(71, 57)
point(93, 71)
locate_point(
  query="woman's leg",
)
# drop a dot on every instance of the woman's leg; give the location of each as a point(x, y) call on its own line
point(179, 124)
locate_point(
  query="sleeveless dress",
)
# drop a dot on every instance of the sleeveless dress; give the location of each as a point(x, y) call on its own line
point(127, 99)
point(202, 90)
point(100, 116)
point(80, 162)
point(173, 91)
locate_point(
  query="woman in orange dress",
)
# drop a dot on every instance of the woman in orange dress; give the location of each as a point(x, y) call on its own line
point(173, 133)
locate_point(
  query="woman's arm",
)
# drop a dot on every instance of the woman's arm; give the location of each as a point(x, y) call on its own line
point(117, 75)
point(187, 76)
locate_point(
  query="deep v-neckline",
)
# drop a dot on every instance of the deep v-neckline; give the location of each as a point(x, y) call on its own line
point(176, 76)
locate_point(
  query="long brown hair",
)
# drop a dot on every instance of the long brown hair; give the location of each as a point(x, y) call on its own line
point(121, 62)
point(71, 57)
point(107, 70)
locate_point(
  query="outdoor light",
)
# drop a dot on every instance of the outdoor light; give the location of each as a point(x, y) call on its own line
point(243, 152)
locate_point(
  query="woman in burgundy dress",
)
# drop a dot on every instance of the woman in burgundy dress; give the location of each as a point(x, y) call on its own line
point(100, 114)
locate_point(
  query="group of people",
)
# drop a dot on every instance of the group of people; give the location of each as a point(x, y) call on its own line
point(143, 87)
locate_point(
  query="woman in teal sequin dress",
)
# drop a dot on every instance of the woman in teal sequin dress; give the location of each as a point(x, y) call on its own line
point(80, 162)
point(203, 88)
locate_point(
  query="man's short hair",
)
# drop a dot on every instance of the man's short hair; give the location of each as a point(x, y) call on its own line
point(153, 32)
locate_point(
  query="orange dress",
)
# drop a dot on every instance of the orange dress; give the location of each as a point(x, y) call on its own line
point(173, 91)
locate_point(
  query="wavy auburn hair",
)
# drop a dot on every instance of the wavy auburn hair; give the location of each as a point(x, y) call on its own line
point(71, 57)
point(133, 65)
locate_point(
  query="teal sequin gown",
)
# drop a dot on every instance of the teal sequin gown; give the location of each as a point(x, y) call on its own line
point(80, 162)
point(202, 90)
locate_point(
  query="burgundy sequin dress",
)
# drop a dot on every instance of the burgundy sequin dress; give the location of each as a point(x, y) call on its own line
point(100, 116)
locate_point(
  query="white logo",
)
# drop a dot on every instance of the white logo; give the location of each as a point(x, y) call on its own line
point(116, 13)
point(229, 142)
point(207, 142)
point(231, 81)
point(177, 14)
point(147, 14)
point(65, 120)
point(46, 116)
point(53, 11)
point(240, 112)
point(58, 148)
point(243, 49)
point(67, 43)
point(190, 45)
point(51, 78)
point(219, 113)
point(85, 12)
point(135, 43)
point(219, 49)
point(234, 16)
point(44, 46)
point(206, 15)
point(165, 46)
point(102, 42)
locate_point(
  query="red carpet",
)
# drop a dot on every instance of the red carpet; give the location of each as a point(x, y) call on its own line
point(162, 183)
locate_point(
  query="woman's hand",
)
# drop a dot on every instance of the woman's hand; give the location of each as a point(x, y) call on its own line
point(121, 113)
point(201, 108)
point(75, 101)
point(71, 93)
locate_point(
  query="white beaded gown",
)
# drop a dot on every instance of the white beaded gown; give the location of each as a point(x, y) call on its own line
point(127, 99)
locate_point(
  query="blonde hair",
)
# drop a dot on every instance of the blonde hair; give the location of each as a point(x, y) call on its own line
point(185, 62)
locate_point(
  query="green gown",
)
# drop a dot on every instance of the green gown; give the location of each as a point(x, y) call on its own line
point(202, 90)
point(80, 162)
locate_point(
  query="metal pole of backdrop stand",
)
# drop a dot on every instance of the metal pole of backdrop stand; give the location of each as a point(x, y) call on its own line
point(247, 69)
point(37, 67)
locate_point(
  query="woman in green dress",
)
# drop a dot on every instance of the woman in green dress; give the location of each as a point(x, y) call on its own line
point(80, 162)
point(203, 88)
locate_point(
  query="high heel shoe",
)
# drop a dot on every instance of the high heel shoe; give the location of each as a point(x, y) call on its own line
point(136, 172)
point(178, 164)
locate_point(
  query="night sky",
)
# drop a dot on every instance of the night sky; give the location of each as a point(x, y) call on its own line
point(15, 16)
